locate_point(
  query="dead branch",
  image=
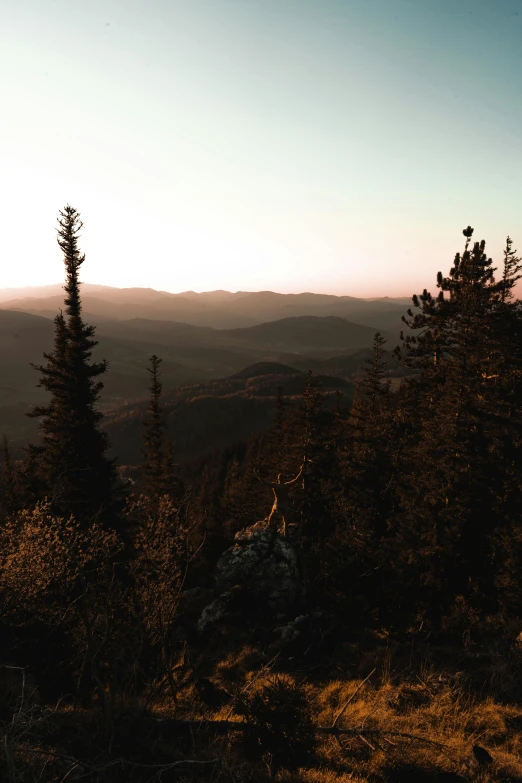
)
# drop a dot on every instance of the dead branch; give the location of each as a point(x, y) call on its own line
point(352, 697)
point(377, 733)
point(366, 742)
point(225, 726)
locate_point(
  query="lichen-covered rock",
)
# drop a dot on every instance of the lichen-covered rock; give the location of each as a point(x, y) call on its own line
point(265, 564)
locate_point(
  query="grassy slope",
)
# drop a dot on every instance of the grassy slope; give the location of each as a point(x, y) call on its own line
point(408, 723)
point(446, 708)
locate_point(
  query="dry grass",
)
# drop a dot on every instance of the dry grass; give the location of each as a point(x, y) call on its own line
point(386, 720)
point(426, 705)
point(432, 706)
point(401, 698)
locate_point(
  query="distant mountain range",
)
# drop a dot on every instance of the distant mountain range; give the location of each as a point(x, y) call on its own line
point(218, 309)
point(199, 336)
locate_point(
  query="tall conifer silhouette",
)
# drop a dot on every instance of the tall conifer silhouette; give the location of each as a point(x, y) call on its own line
point(161, 474)
point(154, 430)
point(376, 375)
point(75, 472)
point(9, 494)
point(468, 493)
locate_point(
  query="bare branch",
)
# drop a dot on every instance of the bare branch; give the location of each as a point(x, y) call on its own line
point(352, 697)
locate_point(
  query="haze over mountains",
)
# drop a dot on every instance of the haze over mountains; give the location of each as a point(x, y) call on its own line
point(200, 337)
point(218, 309)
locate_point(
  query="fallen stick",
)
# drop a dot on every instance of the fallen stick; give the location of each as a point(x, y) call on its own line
point(382, 735)
point(376, 733)
point(352, 697)
point(366, 742)
point(226, 726)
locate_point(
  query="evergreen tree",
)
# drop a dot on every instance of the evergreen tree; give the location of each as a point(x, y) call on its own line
point(71, 463)
point(280, 449)
point(369, 463)
point(279, 434)
point(313, 419)
point(161, 476)
point(376, 382)
point(243, 499)
point(506, 343)
point(503, 419)
point(314, 493)
point(9, 489)
point(512, 271)
point(462, 469)
point(153, 448)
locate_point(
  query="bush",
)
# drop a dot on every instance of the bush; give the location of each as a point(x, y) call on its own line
point(282, 728)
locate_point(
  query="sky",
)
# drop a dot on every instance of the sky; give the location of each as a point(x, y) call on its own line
point(336, 146)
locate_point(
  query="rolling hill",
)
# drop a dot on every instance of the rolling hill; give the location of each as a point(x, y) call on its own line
point(306, 333)
point(296, 334)
point(211, 415)
point(191, 352)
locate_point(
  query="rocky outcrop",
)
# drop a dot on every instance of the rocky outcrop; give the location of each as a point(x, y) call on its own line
point(263, 567)
point(263, 562)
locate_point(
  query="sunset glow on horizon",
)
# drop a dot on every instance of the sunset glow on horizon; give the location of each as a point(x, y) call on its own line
point(333, 146)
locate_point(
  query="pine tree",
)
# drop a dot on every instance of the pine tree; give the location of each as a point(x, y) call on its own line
point(154, 433)
point(279, 451)
point(376, 382)
point(314, 493)
point(460, 487)
point(503, 418)
point(506, 343)
point(279, 430)
point(74, 470)
point(9, 489)
point(512, 271)
point(369, 462)
point(160, 473)
point(314, 418)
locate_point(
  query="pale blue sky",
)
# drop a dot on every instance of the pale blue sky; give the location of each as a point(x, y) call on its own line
point(324, 145)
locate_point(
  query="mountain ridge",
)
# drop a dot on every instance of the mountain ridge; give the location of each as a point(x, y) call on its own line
point(190, 354)
point(217, 309)
point(15, 292)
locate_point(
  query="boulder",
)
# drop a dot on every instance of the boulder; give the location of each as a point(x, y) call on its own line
point(265, 564)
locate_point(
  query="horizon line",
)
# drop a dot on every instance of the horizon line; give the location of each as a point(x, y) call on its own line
point(199, 293)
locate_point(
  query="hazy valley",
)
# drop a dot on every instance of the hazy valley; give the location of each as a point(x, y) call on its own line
point(200, 337)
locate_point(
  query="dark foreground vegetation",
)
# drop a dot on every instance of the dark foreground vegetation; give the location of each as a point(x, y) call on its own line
point(158, 624)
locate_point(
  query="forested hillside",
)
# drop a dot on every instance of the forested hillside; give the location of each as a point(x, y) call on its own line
point(190, 354)
point(215, 414)
point(306, 568)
